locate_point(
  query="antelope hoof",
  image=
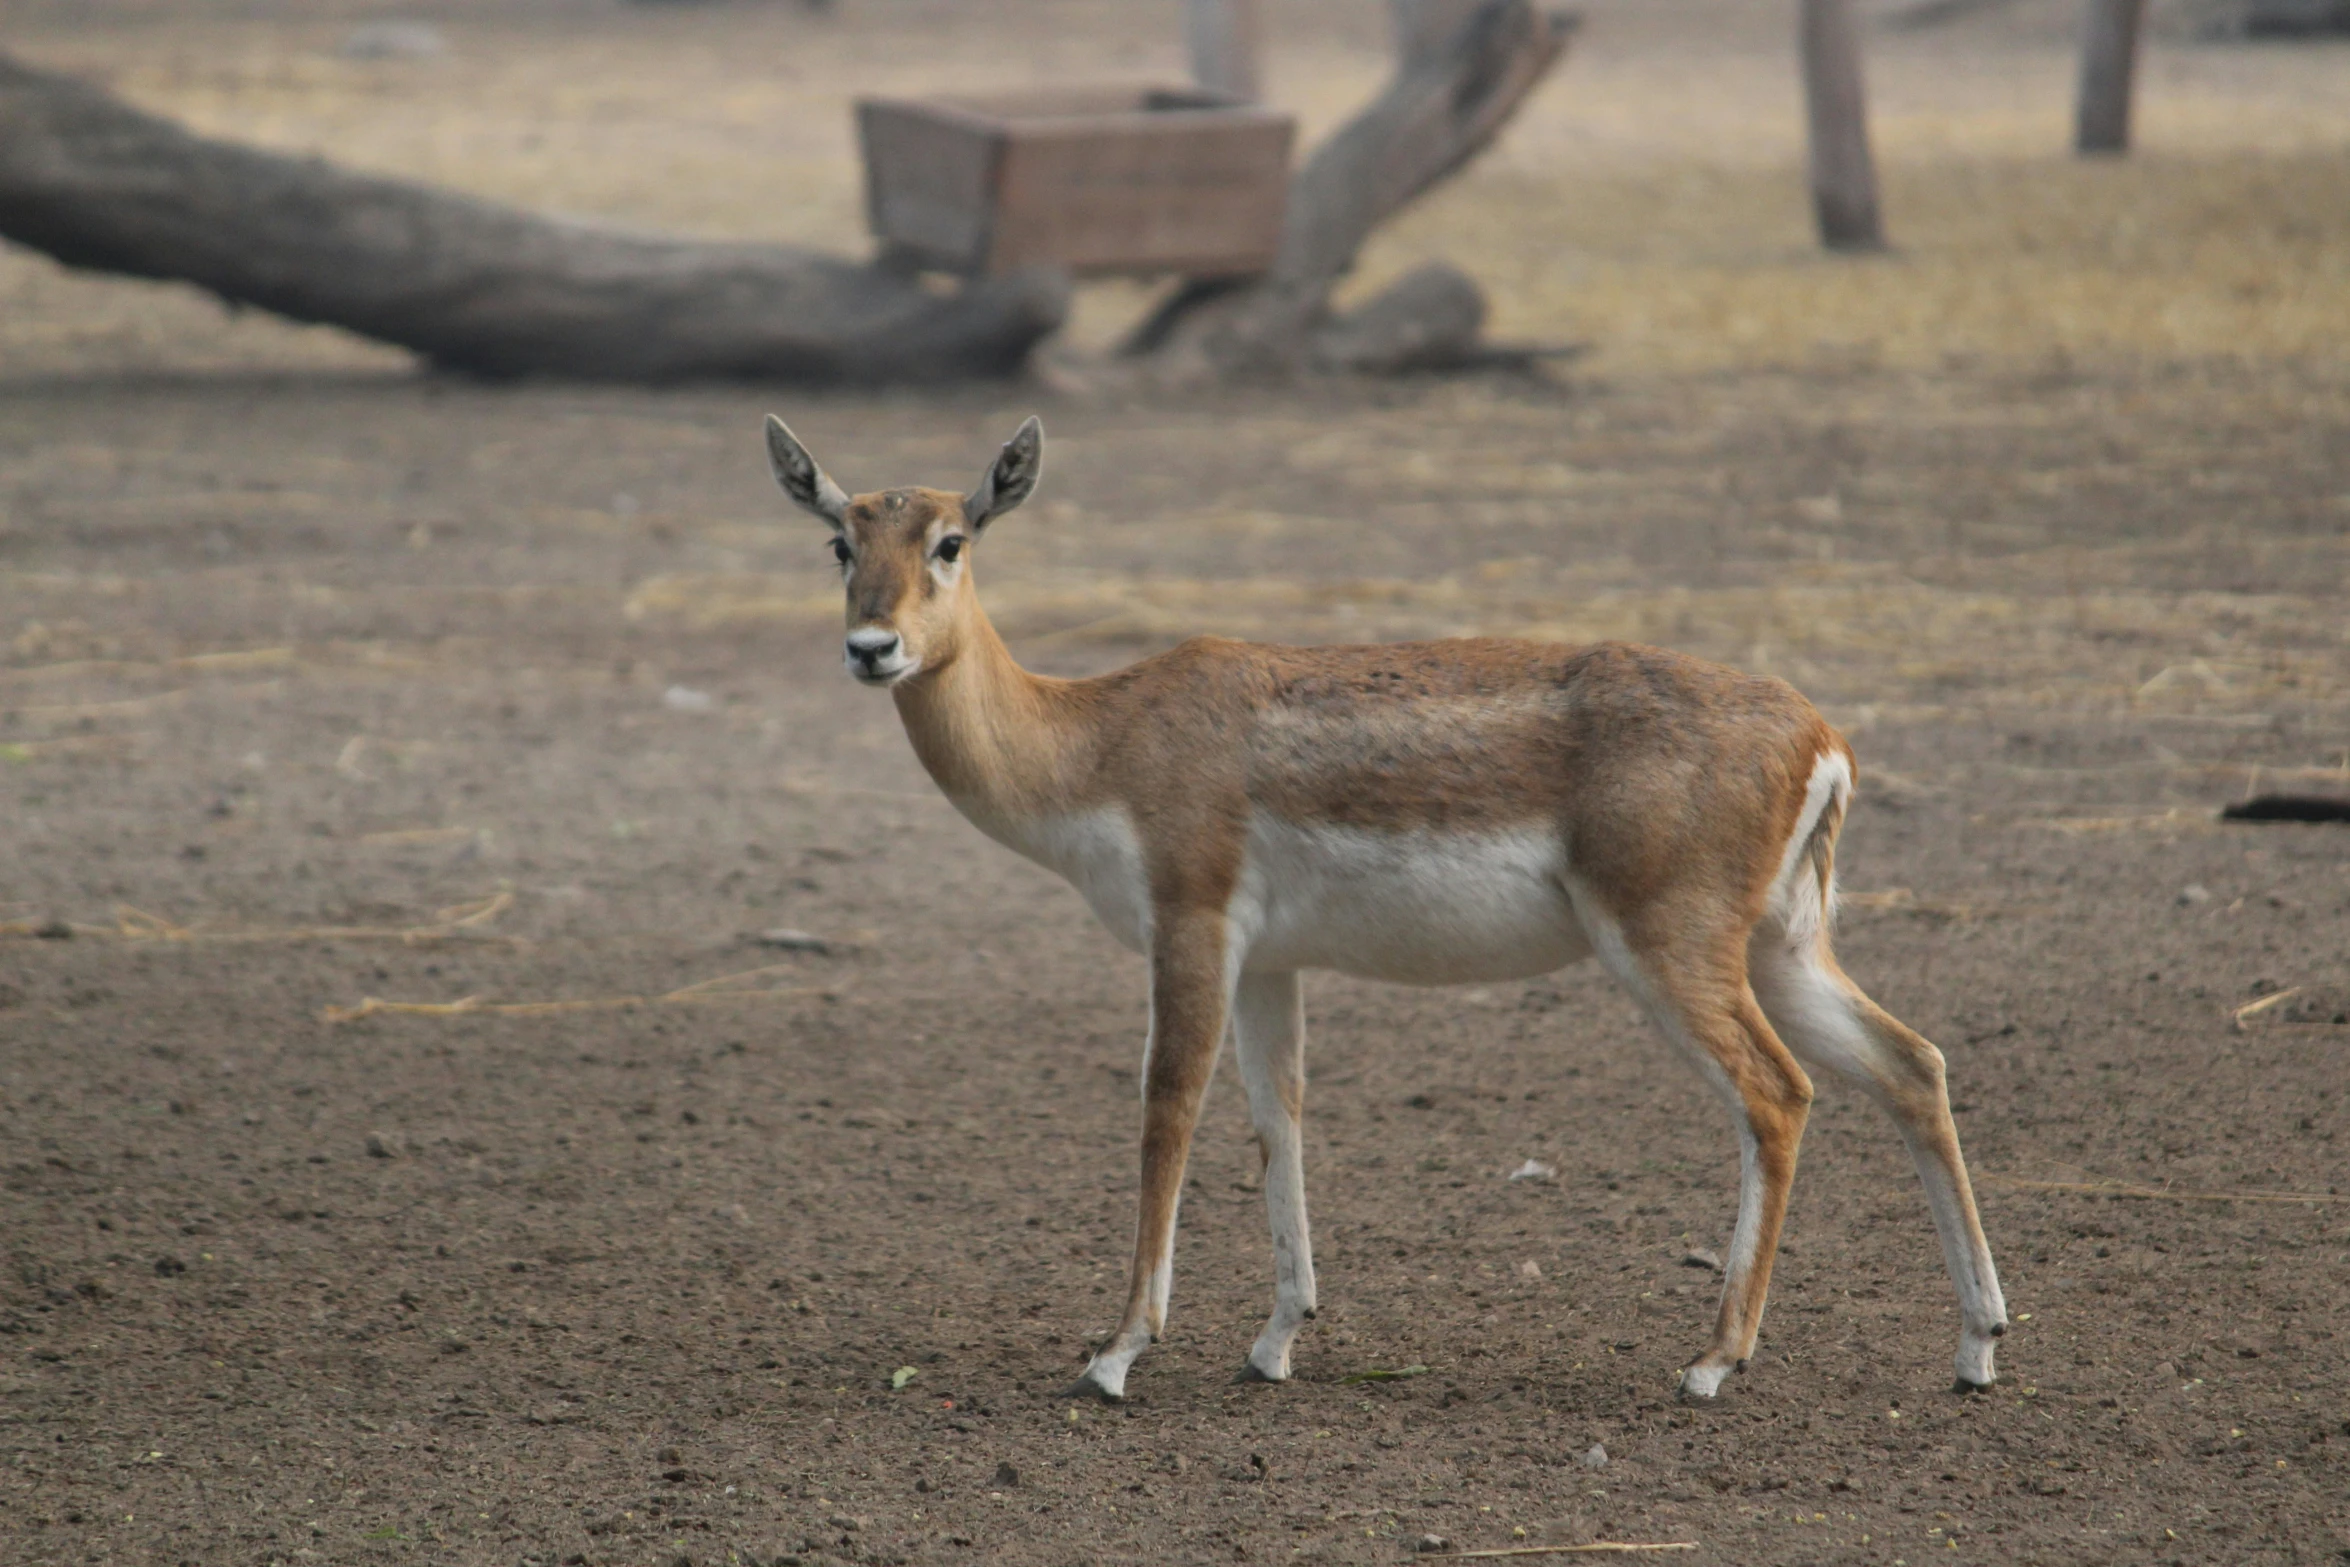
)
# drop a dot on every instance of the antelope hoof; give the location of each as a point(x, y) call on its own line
point(1086, 1387)
point(1701, 1381)
point(1963, 1387)
point(1250, 1371)
point(1976, 1367)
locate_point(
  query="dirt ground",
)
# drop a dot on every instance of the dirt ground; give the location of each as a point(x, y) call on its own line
point(325, 680)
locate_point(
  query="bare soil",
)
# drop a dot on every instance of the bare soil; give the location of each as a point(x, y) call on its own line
point(325, 680)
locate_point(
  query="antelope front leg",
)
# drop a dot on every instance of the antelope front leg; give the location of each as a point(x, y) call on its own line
point(1189, 987)
point(1271, 1043)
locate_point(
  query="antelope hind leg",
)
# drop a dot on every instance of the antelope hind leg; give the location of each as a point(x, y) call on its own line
point(1269, 1039)
point(1828, 1021)
point(1696, 992)
point(1771, 1099)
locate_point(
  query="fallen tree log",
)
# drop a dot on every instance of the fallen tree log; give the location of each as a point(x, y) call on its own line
point(469, 284)
point(1462, 70)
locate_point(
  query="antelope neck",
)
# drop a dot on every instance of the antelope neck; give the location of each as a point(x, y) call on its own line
point(997, 739)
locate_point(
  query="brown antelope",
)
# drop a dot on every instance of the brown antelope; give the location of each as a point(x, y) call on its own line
point(1431, 812)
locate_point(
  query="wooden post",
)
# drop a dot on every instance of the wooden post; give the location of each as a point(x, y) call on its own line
point(1843, 176)
point(2109, 65)
point(1227, 38)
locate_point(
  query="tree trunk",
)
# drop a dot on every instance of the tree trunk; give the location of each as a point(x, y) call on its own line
point(1453, 90)
point(1421, 27)
point(1227, 40)
point(1843, 175)
point(1917, 16)
point(2109, 66)
point(469, 284)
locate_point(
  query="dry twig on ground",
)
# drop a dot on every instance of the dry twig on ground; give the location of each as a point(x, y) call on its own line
point(723, 988)
point(2155, 1193)
point(1595, 1547)
point(457, 922)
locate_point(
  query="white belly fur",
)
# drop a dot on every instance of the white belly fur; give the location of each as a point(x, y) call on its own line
point(1419, 908)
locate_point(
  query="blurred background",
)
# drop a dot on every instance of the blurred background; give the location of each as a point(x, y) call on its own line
point(1648, 198)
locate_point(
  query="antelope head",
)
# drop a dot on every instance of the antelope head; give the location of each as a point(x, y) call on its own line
point(904, 554)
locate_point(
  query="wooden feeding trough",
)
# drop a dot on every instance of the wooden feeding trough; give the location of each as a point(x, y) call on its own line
point(1098, 180)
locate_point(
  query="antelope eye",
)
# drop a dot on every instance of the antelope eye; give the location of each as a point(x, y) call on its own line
point(840, 551)
point(950, 548)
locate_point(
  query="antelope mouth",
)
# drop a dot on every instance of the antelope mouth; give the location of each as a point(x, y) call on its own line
point(881, 675)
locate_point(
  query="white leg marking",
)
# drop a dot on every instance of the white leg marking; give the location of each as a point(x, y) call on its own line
point(1107, 1370)
point(1163, 1279)
point(1703, 1379)
point(1269, 1039)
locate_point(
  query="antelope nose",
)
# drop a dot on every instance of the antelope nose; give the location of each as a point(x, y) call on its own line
point(869, 645)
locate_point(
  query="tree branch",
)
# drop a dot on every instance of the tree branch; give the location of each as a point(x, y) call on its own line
point(1450, 96)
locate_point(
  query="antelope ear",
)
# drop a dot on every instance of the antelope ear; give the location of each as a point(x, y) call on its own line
point(1008, 483)
point(801, 479)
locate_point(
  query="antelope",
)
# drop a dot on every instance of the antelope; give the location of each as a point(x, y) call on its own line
point(1476, 809)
